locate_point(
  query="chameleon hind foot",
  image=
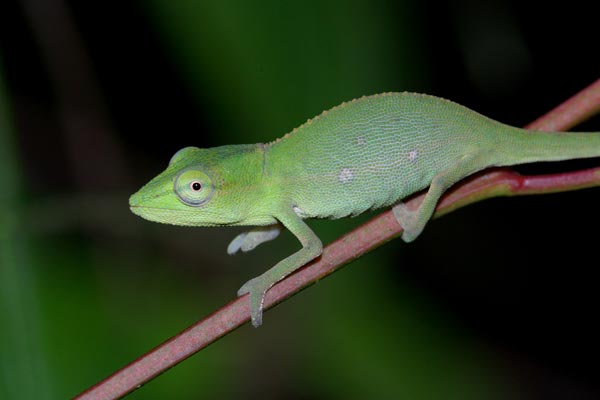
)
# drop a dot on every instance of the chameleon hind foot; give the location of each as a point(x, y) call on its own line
point(414, 222)
point(408, 221)
point(256, 289)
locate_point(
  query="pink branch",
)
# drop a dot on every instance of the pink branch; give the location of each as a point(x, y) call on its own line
point(572, 112)
point(377, 231)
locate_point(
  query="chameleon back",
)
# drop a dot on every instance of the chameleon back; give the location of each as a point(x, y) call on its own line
point(372, 152)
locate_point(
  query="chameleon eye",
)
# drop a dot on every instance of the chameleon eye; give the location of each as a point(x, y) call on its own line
point(193, 187)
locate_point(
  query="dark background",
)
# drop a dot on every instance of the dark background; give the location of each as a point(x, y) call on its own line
point(498, 300)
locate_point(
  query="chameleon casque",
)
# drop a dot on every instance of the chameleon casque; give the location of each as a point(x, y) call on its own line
point(361, 155)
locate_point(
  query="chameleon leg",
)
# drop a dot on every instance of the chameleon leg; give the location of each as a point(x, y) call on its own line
point(311, 249)
point(413, 222)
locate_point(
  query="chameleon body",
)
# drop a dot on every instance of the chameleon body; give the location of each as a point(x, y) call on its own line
point(361, 155)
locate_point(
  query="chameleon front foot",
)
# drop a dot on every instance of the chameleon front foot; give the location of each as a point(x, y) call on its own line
point(256, 288)
point(247, 241)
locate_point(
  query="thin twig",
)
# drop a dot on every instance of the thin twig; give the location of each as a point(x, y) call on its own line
point(377, 231)
point(572, 112)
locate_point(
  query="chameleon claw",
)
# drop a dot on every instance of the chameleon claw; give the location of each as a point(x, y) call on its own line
point(256, 290)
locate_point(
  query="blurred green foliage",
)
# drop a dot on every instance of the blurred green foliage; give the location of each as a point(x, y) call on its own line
point(23, 366)
point(270, 64)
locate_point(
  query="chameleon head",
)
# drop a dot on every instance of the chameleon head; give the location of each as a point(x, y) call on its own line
point(200, 187)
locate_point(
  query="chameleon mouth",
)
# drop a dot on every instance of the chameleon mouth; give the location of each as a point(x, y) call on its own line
point(162, 215)
point(144, 212)
point(137, 210)
point(174, 216)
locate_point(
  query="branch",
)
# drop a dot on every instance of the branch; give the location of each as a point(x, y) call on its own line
point(379, 230)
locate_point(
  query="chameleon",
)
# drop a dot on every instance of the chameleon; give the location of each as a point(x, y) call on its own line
point(364, 154)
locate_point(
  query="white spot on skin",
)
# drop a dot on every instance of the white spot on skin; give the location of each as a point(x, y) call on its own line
point(345, 175)
point(413, 155)
point(299, 212)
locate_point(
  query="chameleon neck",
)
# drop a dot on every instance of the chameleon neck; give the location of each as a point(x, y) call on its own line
point(531, 146)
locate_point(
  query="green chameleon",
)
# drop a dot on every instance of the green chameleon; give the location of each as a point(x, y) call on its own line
point(361, 155)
